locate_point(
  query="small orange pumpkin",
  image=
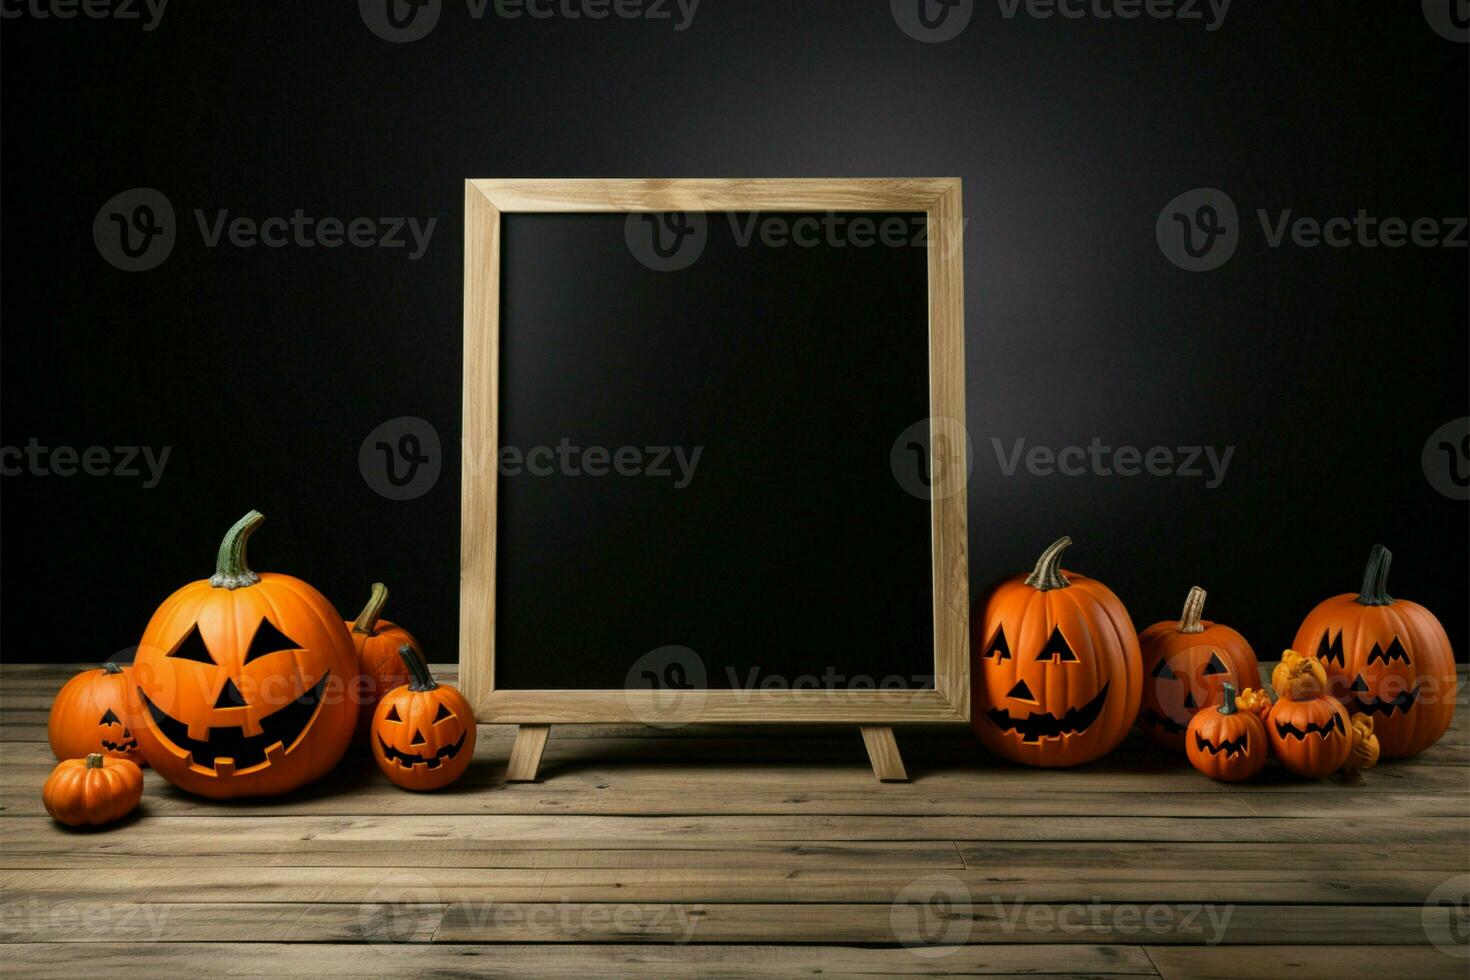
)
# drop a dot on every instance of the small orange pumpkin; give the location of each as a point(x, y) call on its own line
point(96, 790)
point(1255, 700)
point(377, 641)
point(423, 733)
point(1227, 744)
point(1385, 657)
point(1056, 675)
point(91, 713)
point(1186, 665)
point(1308, 729)
point(1365, 750)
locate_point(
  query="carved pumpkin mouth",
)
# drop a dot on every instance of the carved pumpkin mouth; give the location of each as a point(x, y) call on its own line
point(1323, 729)
point(1369, 705)
point(279, 732)
point(1043, 724)
point(408, 760)
point(128, 744)
point(1162, 722)
point(1230, 746)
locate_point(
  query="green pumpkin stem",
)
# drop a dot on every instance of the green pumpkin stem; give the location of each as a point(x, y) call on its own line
point(1047, 574)
point(94, 761)
point(1375, 578)
point(111, 668)
point(421, 680)
point(1228, 707)
point(230, 570)
point(1194, 608)
point(367, 620)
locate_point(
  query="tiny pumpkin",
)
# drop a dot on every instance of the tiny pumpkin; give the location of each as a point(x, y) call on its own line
point(96, 790)
point(1227, 744)
point(423, 733)
point(1365, 751)
point(1186, 664)
point(376, 641)
point(1385, 657)
point(1308, 729)
point(91, 713)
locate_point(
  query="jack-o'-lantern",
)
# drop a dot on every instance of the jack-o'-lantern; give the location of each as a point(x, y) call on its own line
point(1385, 657)
point(91, 714)
point(242, 681)
point(1056, 675)
point(1185, 667)
point(1308, 730)
point(381, 668)
point(424, 732)
point(1226, 743)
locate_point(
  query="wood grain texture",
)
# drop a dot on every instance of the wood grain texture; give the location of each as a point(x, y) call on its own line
point(883, 754)
point(715, 194)
point(525, 754)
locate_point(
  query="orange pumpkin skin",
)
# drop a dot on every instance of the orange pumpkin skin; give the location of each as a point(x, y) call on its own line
point(423, 733)
point(1256, 701)
point(1386, 657)
point(1226, 743)
point(1309, 731)
point(1186, 664)
point(1056, 675)
point(96, 790)
point(380, 667)
point(243, 681)
point(92, 713)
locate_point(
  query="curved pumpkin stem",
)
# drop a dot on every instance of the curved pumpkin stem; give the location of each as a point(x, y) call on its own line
point(1047, 574)
point(1228, 707)
point(230, 570)
point(420, 678)
point(1194, 608)
point(1375, 578)
point(94, 761)
point(111, 668)
point(367, 620)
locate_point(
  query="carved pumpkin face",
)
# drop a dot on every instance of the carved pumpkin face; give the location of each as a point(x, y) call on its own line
point(242, 681)
point(1385, 657)
point(1225, 743)
point(91, 714)
point(1309, 731)
point(1056, 678)
point(423, 734)
point(1186, 665)
point(380, 667)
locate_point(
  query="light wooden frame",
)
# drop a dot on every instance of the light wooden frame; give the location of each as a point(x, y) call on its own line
point(485, 201)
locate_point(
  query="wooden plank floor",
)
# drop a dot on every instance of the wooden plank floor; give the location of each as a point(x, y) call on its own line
point(751, 852)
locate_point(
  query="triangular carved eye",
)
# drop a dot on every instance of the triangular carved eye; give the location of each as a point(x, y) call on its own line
point(1163, 671)
point(1216, 665)
point(392, 714)
point(1395, 652)
point(443, 714)
point(109, 719)
point(192, 647)
point(418, 739)
point(1056, 648)
point(998, 647)
point(1331, 651)
point(268, 639)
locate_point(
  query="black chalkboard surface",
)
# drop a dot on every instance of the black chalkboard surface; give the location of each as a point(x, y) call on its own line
point(700, 457)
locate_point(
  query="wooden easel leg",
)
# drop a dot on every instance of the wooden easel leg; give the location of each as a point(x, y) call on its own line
point(525, 755)
point(883, 754)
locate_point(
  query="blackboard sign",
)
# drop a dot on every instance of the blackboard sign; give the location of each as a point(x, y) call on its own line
point(714, 456)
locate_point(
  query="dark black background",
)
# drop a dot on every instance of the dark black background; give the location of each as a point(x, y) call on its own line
point(264, 369)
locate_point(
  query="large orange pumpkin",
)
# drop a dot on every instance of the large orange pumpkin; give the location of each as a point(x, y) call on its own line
point(242, 681)
point(381, 668)
point(1186, 665)
point(91, 713)
point(1385, 657)
point(1056, 673)
point(423, 732)
point(1308, 730)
